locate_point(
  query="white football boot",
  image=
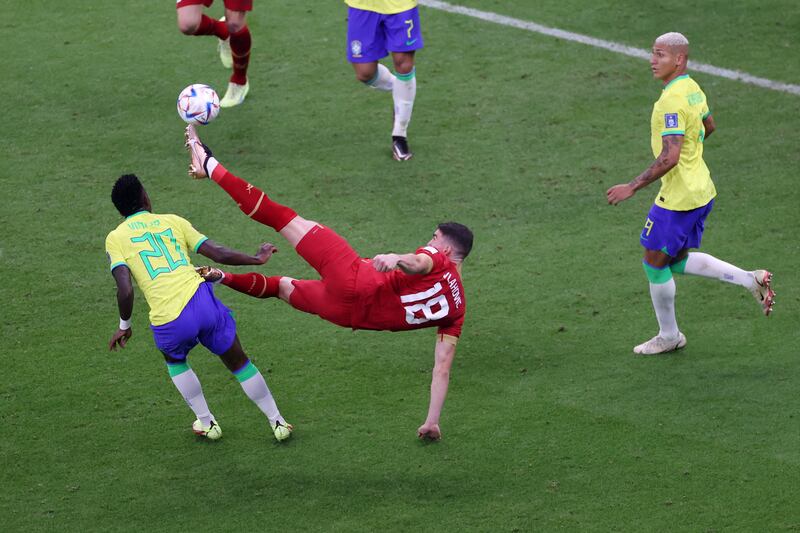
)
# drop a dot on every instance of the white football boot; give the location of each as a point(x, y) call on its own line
point(659, 344)
point(235, 94)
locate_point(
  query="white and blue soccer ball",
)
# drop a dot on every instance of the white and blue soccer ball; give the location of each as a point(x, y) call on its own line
point(198, 104)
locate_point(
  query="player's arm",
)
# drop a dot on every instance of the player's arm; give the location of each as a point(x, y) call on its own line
point(227, 256)
point(666, 161)
point(709, 125)
point(122, 275)
point(408, 263)
point(444, 353)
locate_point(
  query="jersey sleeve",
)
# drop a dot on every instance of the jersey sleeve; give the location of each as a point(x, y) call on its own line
point(439, 259)
point(706, 110)
point(452, 332)
point(673, 116)
point(116, 256)
point(193, 237)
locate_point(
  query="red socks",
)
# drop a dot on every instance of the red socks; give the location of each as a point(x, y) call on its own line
point(240, 48)
point(209, 26)
point(253, 283)
point(252, 200)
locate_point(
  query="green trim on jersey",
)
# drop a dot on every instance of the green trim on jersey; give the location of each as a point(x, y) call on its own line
point(681, 77)
point(676, 132)
point(137, 213)
point(201, 241)
point(118, 263)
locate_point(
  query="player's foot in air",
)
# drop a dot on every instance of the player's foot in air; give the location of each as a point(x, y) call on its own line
point(224, 49)
point(210, 274)
point(235, 94)
point(400, 149)
point(212, 432)
point(659, 344)
point(282, 431)
point(199, 152)
point(762, 291)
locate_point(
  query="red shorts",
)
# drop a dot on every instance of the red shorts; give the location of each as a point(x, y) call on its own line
point(233, 5)
point(333, 296)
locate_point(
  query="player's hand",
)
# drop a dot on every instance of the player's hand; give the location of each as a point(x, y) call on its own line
point(428, 431)
point(619, 193)
point(265, 252)
point(120, 337)
point(385, 262)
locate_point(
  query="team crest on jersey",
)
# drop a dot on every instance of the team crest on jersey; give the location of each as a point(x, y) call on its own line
point(355, 48)
point(671, 120)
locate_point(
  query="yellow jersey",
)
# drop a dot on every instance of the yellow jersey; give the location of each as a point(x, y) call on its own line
point(680, 111)
point(155, 248)
point(385, 7)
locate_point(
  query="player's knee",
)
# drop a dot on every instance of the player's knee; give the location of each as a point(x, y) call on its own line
point(364, 76)
point(403, 63)
point(188, 26)
point(285, 288)
point(234, 20)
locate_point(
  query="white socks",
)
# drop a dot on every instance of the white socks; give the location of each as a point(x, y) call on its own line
point(383, 80)
point(256, 389)
point(189, 386)
point(404, 91)
point(708, 266)
point(663, 296)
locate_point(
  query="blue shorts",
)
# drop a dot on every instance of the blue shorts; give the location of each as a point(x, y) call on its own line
point(204, 319)
point(672, 231)
point(371, 36)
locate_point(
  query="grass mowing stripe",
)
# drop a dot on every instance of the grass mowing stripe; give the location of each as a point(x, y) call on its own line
point(608, 45)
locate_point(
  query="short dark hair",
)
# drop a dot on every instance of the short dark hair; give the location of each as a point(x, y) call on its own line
point(127, 195)
point(459, 235)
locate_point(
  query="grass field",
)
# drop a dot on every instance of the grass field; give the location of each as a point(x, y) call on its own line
point(551, 423)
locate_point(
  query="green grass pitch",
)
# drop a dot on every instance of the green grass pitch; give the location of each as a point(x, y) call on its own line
point(551, 423)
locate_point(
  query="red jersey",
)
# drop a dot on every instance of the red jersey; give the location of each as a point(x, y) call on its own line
point(398, 301)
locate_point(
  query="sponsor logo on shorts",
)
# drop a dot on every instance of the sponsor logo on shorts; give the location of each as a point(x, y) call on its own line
point(355, 48)
point(411, 41)
point(671, 120)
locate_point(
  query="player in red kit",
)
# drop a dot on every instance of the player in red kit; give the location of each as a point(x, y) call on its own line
point(388, 292)
point(234, 40)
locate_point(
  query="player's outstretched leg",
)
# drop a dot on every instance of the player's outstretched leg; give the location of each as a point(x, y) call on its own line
point(251, 283)
point(758, 282)
point(251, 200)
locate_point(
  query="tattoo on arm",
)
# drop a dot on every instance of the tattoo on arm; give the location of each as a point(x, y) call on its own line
point(666, 160)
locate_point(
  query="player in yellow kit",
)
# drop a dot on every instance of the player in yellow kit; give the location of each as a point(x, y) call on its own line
point(375, 28)
point(154, 249)
point(680, 124)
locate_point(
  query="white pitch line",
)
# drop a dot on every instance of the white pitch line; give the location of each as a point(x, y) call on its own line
point(607, 45)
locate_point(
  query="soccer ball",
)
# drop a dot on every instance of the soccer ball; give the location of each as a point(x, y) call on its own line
point(198, 104)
